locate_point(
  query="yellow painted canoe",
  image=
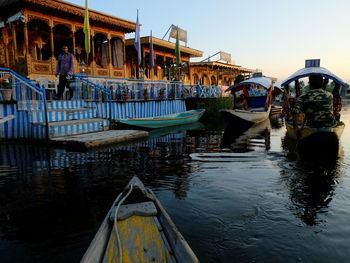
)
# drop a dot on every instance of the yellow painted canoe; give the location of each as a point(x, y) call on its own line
point(307, 131)
point(138, 229)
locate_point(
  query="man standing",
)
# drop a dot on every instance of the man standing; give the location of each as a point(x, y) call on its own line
point(64, 69)
point(316, 104)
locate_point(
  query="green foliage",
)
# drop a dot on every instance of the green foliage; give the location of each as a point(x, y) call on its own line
point(239, 79)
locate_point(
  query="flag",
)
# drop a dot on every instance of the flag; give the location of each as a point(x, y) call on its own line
point(151, 53)
point(137, 42)
point(87, 29)
point(177, 50)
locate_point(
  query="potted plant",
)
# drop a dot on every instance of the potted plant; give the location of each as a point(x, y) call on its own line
point(6, 89)
point(173, 92)
point(125, 93)
point(145, 93)
point(162, 93)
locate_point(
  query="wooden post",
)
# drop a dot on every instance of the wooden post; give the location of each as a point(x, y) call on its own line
point(93, 52)
point(110, 65)
point(52, 45)
point(73, 33)
point(14, 39)
point(26, 42)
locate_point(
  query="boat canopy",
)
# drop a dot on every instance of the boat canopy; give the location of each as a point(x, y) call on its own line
point(302, 73)
point(260, 81)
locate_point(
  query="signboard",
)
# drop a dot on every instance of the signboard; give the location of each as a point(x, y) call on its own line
point(182, 33)
point(312, 63)
point(225, 57)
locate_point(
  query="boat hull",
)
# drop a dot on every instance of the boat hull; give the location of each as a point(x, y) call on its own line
point(147, 237)
point(245, 116)
point(166, 120)
point(320, 145)
point(307, 131)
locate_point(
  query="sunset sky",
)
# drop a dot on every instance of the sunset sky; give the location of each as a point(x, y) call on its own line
point(273, 35)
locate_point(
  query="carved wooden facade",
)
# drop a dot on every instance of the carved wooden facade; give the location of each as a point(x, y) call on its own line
point(31, 45)
point(216, 73)
point(164, 56)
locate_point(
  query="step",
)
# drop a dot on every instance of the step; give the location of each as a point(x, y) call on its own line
point(65, 104)
point(72, 127)
point(62, 115)
point(32, 105)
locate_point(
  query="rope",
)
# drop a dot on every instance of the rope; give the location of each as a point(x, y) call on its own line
point(116, 225)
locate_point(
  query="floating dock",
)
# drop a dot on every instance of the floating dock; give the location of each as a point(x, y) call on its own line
point(99, 139)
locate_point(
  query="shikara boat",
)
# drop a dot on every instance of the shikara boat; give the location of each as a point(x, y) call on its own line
point(320, 135)
point(308, 131)
point(259, 105)
point(165, 120)
point(138, 229)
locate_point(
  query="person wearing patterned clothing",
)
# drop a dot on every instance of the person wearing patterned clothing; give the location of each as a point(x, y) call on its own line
point(316, 104)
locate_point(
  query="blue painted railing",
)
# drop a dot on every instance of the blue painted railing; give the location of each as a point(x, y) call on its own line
point(25, 91)
point(135, 89)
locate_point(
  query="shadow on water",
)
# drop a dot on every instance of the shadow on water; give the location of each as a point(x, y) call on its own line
point(53, 200)
point(311, 175)
point(247, 138)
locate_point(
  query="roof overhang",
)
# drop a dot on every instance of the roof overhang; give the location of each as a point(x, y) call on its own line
point(72, 9)
point(165, 44)
point(222, 65)
point(260, 81)
point(305, 72)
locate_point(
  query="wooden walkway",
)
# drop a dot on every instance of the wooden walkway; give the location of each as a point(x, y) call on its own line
point(99, 139)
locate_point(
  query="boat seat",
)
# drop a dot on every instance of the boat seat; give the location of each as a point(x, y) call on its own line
point(139, 209)
point(257, 109)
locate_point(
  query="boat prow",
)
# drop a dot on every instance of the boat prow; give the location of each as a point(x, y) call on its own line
point(138, 226)
point(165, 120)
point(248, 117)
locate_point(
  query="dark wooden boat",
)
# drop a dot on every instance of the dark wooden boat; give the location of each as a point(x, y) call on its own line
point(138, 229)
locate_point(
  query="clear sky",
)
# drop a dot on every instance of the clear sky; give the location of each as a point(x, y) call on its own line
point(273, 35)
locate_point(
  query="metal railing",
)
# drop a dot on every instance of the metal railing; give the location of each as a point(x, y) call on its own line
point(85, 89)
point(24, 91)
point(134, 89)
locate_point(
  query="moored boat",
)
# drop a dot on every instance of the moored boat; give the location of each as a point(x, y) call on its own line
point(138, 229)
point(257, 93)
point(321, 134)
point(165, 120)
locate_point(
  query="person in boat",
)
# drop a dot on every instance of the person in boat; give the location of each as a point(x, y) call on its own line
point(337, 103)
point(241, 103)
point(316, 104)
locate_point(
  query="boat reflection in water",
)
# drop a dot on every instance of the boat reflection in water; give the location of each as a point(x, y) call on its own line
point(243, 139)
point(311, 187)
point(315, 150)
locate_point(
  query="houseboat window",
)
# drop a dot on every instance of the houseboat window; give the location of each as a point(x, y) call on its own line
point(195, 79)
point(117, 47)
point(205, 80)
point(80, 51)
point(20, 39)
point(147, 66)
point(39, 39)
point(101, 50)
point(213, 80)
point(62, 36)
point(169, 62)
point(159, 66)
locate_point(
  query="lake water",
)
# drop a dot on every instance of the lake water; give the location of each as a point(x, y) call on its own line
point(235, 197)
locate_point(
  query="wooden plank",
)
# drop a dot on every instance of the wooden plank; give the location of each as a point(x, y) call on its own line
point(140, 240)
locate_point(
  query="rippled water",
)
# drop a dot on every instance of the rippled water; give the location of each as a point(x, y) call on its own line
point(236, 196)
